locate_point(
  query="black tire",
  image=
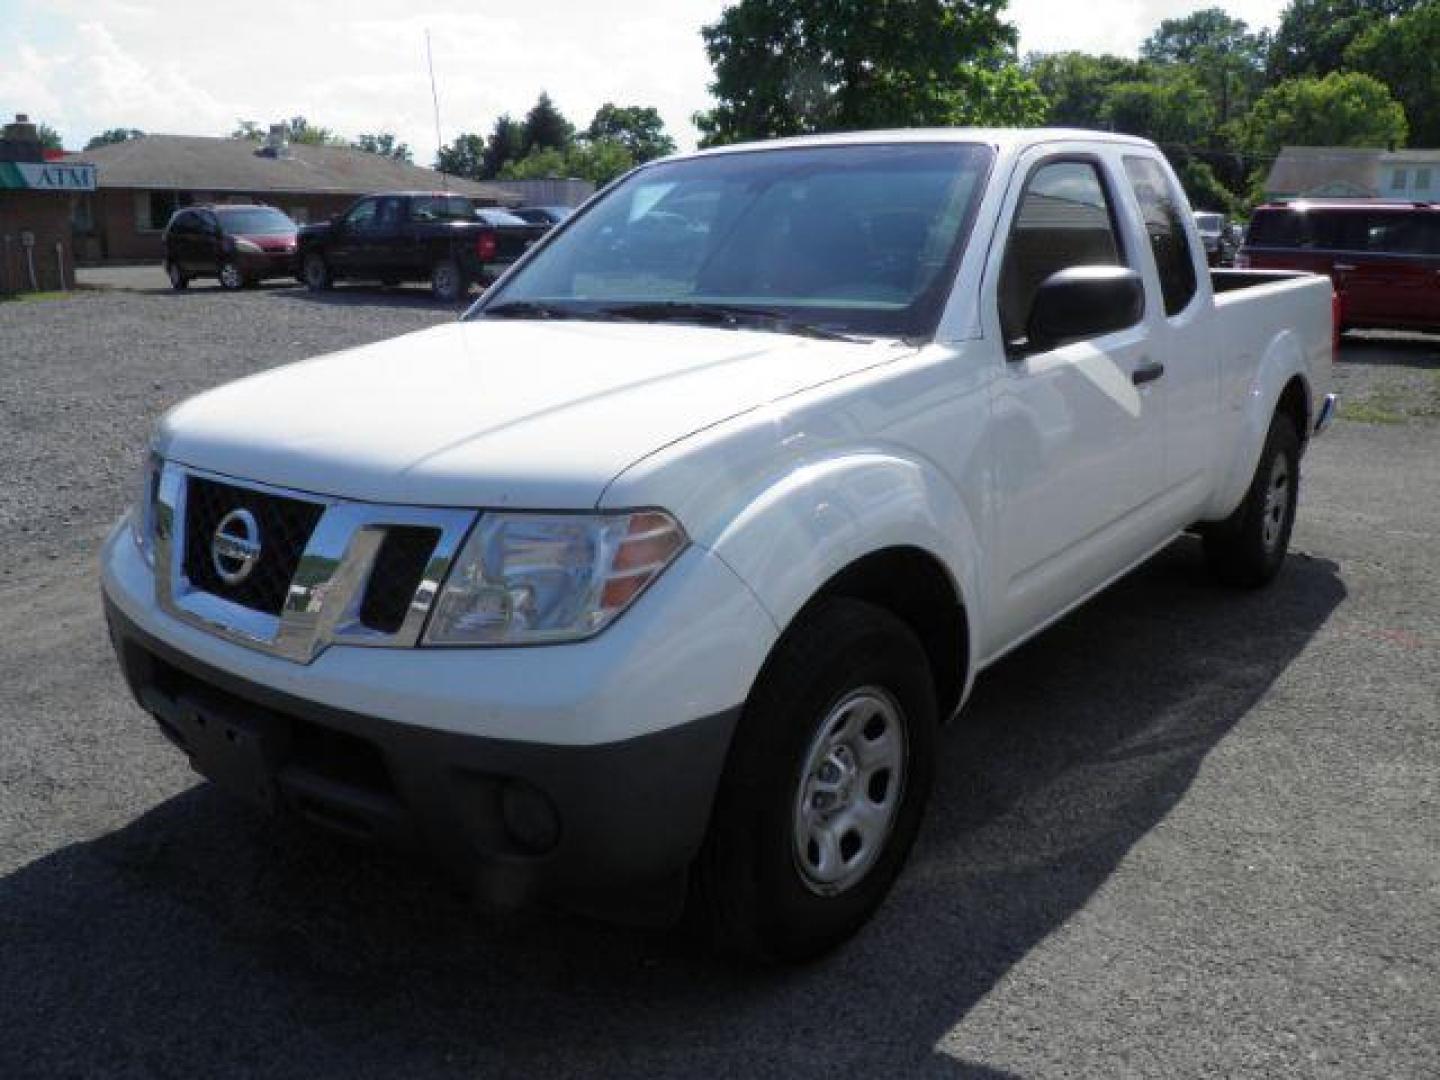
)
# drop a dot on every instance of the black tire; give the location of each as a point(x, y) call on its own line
point(447, 283)
point(750, 890)
point(178, 281)
point(1248, 548)
point(389, 282)
point(315, 272)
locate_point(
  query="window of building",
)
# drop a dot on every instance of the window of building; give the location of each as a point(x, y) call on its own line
point(1422, 179)
point(153, 209)
point(1161, 207)
point(1065, 219)
point(1398, 181)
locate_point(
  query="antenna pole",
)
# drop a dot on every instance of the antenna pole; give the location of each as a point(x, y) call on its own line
point(435, 97)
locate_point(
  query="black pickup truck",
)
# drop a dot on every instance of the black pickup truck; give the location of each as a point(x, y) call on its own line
point(429, 236)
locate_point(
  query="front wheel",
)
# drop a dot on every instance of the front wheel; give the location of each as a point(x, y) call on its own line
point(824, 787)
point(1248, 548)
point(178, 280)
point(446, 281)
point(316, 272)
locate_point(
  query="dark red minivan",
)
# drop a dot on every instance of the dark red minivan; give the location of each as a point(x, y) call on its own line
point(1384, 257)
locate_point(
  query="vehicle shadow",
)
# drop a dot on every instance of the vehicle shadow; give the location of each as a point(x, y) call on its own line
point(201, 939)
point(1391, 350)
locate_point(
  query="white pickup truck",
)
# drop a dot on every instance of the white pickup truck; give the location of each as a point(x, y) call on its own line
point(655, 577)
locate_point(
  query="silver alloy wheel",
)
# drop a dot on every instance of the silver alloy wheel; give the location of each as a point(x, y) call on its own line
point(230, 276)
point(1277, 503)
point(851, 786)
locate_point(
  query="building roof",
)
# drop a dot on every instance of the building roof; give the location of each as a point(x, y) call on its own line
point(1325, 170)
point(195, 163)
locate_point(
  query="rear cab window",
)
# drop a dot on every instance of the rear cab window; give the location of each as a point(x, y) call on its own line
point(1162, 209)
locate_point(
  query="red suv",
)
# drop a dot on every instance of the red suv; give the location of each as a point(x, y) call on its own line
point(238, 243)
point(1384, 257)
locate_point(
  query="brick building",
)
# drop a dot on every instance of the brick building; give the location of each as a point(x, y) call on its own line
point(140, 183)
point(37, 198)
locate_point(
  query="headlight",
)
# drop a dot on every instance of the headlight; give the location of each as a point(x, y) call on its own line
point(526, 578)
point(142, 510)
point(249, 246)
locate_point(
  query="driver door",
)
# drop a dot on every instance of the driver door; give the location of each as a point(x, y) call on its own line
point(349, 237)
point(1077, 435)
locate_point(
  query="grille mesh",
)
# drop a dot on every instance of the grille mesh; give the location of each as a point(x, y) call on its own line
point(399, 568)
point(285, 528)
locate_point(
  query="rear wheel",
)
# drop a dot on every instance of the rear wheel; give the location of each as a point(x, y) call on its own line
point(824, 787)
point(231, 276)
point(1248, 548)
point(446, 281)
point(315, 272)
point(178, 280)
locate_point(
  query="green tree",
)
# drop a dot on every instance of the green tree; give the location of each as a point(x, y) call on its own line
point(506, 144)
point(1339, 110)
point(1404, 54)
point(546, 127)
point(599, 162)
point(297, 130)
point(384, 144)
point(463, 157)
point(640, 130)
point(1220, 51)
point(1313, 35)
point(49, 137)
point(1173, 108)
point(114, 135)
point(1074, 84)
point(1202, 187)
point(788, 67)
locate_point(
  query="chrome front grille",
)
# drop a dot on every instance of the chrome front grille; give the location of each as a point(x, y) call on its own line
point(328, 571)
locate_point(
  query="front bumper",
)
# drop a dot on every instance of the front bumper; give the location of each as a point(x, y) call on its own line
point(609, 829)
point(614, 745)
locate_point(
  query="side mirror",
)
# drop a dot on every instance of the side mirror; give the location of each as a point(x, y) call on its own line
point(1082, 302)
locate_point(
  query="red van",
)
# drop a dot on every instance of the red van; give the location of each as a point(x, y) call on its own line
point(1384, 257)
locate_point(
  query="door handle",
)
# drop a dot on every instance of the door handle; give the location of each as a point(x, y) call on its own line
point(1344, 268)
point(1147, 372)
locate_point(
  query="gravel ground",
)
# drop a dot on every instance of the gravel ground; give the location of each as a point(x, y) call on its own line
point(1184, 833)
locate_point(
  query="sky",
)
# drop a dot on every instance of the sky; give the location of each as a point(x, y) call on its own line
point(359, 65)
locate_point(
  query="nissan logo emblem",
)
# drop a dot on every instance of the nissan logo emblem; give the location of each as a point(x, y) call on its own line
point(235, 547)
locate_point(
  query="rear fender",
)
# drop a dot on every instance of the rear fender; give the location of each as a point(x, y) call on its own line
point(1256, 401)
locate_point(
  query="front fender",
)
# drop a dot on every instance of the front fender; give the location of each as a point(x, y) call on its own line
point(1255, 399)
point(825, 515)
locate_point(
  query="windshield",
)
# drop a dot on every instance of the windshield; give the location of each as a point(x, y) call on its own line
point(1209, 222)
point(260, 221)
point(440, 208)
point(856, 239)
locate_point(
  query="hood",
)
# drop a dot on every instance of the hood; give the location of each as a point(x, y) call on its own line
point(495, 413)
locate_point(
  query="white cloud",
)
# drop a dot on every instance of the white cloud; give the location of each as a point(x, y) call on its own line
point(1116, 26)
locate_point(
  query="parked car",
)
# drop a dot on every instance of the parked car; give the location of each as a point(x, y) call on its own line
point(544, 215)
point(1213, 235)
point(1383, 257)
point(414, 236)
point(633, 587)
point(237, 243)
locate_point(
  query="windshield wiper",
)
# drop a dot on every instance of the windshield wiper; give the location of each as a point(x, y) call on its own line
point(531, 309)
point(725, 315)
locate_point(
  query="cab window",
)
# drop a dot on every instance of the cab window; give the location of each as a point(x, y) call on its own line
point(362, 215)
point(1065, 219)
point(1161, 207)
